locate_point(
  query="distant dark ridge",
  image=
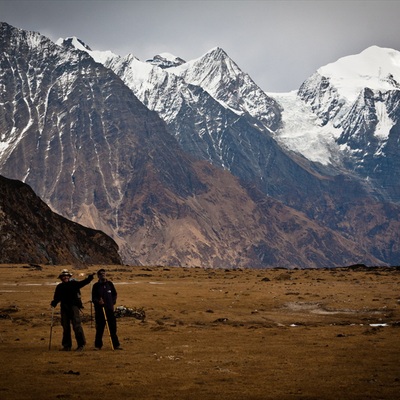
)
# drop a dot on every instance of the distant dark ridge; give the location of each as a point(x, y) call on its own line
point(363, 267)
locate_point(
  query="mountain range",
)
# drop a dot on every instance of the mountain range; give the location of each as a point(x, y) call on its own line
point(192, 164)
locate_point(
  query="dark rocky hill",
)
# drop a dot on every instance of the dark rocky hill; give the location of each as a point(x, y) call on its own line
point(31, 233)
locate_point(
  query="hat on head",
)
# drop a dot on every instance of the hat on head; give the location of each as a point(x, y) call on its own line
point(64, 272)
point(100, 271)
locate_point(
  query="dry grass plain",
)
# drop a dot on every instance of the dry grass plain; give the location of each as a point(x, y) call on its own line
point(209, 334)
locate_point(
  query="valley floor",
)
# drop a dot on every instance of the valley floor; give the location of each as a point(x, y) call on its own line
point(209, 334)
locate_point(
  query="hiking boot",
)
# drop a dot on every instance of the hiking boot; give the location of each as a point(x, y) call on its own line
point(118, 348)
point(80, 348)
point(66, 349)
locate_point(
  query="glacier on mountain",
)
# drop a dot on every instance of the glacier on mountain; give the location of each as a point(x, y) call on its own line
point(302, 131)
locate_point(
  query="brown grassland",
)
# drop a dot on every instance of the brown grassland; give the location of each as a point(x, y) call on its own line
point(209, 334)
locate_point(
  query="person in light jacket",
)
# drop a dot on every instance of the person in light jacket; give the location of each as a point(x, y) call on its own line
point(104, 297)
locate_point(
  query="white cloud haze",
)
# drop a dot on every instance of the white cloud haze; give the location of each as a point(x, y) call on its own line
point(279, 43)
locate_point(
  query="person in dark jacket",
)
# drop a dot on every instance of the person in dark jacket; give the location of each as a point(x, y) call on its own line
point(104, 297)
point(68, 294)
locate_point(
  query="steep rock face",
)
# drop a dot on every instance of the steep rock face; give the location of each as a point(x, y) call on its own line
point(323, 98)
point(31, 232)
point(371, 136)
point(219, 75)
point(359, 95)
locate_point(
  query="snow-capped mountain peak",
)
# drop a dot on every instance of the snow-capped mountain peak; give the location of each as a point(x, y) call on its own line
point(356, 102)
point(73, 42)
point(215, 59)
point(375, 68)
point(217, 74)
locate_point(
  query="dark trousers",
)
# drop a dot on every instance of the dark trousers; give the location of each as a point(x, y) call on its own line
point(101, 324)
point(70, 316)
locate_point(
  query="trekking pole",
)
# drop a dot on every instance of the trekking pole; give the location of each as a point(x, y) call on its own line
point(108, 328)
point(91, 305)
point(51, 325)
